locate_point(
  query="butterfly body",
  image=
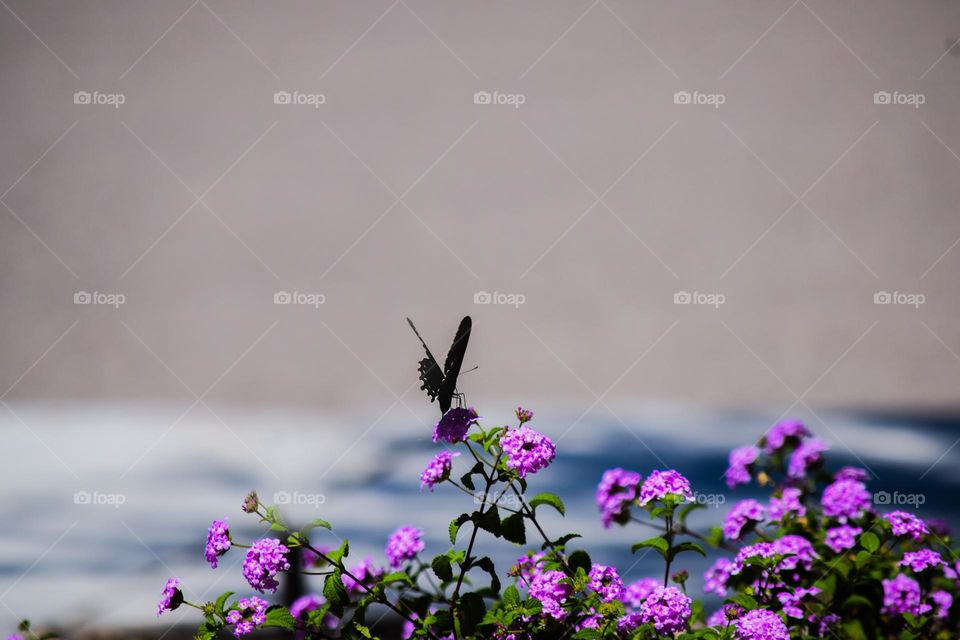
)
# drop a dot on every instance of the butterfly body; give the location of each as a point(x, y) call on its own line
point(441, 384)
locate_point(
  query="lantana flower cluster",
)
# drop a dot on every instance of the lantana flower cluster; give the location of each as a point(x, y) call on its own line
point(806, 552)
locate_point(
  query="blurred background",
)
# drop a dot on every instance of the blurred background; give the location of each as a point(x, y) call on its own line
point(673, 223)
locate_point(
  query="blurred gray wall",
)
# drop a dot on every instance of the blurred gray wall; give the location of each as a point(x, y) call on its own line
point(599, 199)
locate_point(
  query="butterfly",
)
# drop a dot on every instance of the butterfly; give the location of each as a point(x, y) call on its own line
point(441, 384)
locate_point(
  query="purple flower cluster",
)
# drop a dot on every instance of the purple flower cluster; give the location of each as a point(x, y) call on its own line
point(799, 552)
point(902, 595)
point(660, 484)
point(944, 601)
point(524, 415)
point(779, 433)
point(740, 515)
point(218, 541)
point(366, 574)
point(251, 614)
point(615, 493)
point(921, 560)
point(171, 598)
point(845, 499)
point(760, 624)
point(716, 577)
point(809, 453)
point(786, 504)
point(906, 524)
point(527, 451)
point(454, 424)
point(740, 460)
point(438, 470)
point(668, 609)
point(842, 538)
point(606, 582)
point(636, 592)
point(551, 588)
point(265, 559)
point(792, 601)
point(852, 473)
point(404, 544)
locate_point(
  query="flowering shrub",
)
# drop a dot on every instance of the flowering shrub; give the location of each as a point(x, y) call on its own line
point(815, 560)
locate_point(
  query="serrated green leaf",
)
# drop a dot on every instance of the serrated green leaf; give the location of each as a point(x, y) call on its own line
point(455, 525)
point(658, 543)
point(335, 592)
point(441, 568)
point(513, 529)
point(489, 520)
point(315, 524)
point(511, 596)
point(222, 600)
point(471, 610)
point(686, 546)
point(278, 616)
point(396, 576)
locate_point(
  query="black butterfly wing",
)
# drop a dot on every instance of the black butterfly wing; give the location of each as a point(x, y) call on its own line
point(430, 373)
point(451, 366)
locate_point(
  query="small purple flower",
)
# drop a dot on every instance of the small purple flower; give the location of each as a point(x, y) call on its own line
point(760, 624)
point(606, 582)
point(265, 559)
point(779, 433)
point(793, 601)
point(306, 604)
point(845, 499)
point(788, 503)
point(906, 524)
point(826, 623)
point(252, 613)
point(366, 574)
point(716, 577)
point(740, 515)
point(852, 473)
point(636, 592)
point(809, 453)
point(668, 609)
point(551, 588)
point(660, 484)
point(454, 424)
point(404, 544)
point(629, 622)
point(740, 460)
point(526, 450)
point(528, 567)
point(921, 560)
point(615, 493)
point(171, 598)
point(902, 595)
point(524, 415)
point(944, 601)
point(758, 550)
point(842, 538)
point(218, 541)
point(438, 470)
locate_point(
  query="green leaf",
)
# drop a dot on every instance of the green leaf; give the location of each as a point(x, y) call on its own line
point(550, 499)
point(870, 542)
point(222, 600)
point(489, 520)
point(580, 559)
point(314, 524)
point(513, 529)
point(339, 554)
point(686, 546)
point(455, 525)
point(658, 543)
point(471, 609)
point(511, 596)
point(335, 593)
point(744, 600)
point(862, 559)
point(486, 564)
point(208, 630)
point(279, 616)
point(397, 576)
point(441, 568)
